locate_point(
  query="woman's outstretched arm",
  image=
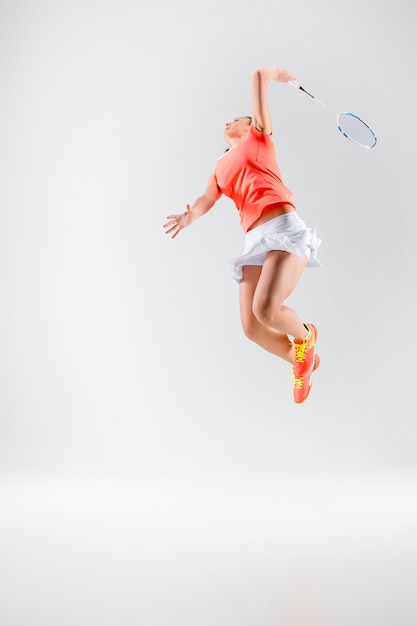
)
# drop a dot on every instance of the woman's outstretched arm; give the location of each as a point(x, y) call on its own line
point(202, 205)
point(261, 116)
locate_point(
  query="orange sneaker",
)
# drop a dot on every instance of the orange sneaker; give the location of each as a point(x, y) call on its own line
point(304, 352)
point(302, 384)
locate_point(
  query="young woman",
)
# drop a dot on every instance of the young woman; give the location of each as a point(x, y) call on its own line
point(278, 243)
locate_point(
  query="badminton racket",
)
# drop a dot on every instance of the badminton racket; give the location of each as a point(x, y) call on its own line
point(350, 125)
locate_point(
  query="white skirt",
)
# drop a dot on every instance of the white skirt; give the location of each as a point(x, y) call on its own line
point(286, 232)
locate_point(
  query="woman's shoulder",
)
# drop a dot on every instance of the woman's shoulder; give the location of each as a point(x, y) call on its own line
point(258, 134)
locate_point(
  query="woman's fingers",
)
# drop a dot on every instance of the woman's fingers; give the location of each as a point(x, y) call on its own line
point(172, 219)
point(172, 226)
point(281, 74)
point(176, 222)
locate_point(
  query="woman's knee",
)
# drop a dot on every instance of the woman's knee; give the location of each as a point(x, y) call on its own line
point(251, 327)
point(267, 312)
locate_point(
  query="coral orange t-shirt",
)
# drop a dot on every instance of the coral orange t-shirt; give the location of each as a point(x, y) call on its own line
point(249, 174)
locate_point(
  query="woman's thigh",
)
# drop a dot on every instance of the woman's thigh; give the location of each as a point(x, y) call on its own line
point(247, 288)
point(280, 274)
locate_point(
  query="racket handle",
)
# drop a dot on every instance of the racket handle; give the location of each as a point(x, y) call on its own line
point(297, 85)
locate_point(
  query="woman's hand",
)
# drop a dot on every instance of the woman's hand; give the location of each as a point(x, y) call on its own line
point(178, 222)
point(281, 75)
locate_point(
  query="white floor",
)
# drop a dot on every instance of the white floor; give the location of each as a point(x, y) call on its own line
point(132, 550)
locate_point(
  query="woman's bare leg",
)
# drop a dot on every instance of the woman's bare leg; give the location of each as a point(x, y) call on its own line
point(269, 339)
point(279, 276)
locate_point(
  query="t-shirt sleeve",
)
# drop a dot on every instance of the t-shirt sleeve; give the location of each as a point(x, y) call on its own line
point(258, 133)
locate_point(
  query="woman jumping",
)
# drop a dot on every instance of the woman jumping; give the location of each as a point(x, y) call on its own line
point(278, 244)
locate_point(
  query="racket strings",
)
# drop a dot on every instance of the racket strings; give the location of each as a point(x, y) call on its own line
point(352, 127)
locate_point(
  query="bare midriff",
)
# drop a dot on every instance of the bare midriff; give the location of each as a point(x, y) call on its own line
point(271, 212)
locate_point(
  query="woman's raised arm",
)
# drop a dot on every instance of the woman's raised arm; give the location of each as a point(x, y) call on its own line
point(261, 116)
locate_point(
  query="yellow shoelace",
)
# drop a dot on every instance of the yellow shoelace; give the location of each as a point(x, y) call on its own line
point(300, 351)
point(297, 380)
